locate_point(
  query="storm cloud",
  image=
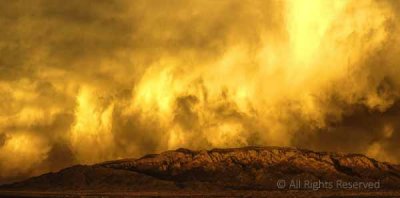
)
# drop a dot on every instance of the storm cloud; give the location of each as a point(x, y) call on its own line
point(88, 81)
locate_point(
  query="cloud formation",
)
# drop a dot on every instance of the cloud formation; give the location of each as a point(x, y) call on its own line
point(88, 81)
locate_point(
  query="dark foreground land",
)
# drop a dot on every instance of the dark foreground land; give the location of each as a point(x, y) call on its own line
point(238, 172)
point(305, 194)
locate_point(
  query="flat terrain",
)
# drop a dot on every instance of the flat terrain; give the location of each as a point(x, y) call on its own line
point(92, 194)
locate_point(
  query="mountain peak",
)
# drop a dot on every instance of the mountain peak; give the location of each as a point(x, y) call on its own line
point(252, 168)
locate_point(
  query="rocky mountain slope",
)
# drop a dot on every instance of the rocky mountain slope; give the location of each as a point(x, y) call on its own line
point(250, 168)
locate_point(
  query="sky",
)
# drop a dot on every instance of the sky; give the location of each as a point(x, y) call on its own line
point(83, 82)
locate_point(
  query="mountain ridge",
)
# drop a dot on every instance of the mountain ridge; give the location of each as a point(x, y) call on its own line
point(246, 168)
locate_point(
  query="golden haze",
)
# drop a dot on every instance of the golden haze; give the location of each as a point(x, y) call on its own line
point(88, 81)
